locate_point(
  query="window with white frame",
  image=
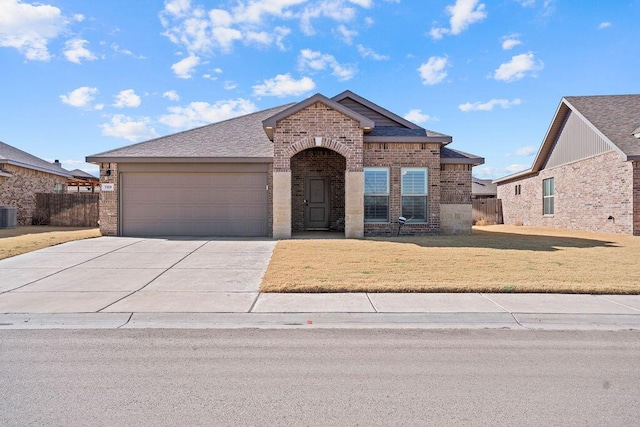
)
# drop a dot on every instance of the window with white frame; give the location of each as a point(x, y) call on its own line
point(376, 194)
point(548, 196)
point(414, 194)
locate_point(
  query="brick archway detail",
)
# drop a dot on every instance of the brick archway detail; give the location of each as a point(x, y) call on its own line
point(329, 143)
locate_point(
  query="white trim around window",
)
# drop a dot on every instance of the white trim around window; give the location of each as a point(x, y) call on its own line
point(415, 189)
point(376, 195)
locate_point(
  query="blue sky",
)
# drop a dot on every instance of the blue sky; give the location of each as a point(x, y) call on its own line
point(81, 77)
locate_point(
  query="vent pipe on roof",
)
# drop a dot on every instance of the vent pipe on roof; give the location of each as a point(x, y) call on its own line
point(57, 163)
point(636, 133)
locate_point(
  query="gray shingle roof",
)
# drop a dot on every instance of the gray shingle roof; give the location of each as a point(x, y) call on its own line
point(483, 187)
point(616, 116)
point(14, 156)
point(238, 138)
point(449, 155)
point(79, 173)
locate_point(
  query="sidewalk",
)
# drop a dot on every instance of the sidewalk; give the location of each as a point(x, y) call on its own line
point(424, 311)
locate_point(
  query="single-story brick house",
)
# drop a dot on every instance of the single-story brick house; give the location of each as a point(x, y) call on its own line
point(22, 175)
point(341, 164)
point(586, 175)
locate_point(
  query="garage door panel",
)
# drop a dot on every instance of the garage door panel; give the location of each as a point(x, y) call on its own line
point(194, 204)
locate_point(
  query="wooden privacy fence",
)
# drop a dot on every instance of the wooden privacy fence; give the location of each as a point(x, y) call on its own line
point(488, 209)
point(66, 209)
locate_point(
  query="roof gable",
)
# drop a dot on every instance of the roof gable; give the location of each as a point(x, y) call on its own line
point(270, 123)
point(14, 156)
point(610, 117)
point(381, 116)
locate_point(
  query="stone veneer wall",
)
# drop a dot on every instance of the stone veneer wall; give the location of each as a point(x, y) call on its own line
point(109, 200)
point(318, 162)
point(396, 156)
point(587, 192)
point(19, 190)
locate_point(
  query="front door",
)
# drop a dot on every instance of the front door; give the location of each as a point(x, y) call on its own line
point(316, 203)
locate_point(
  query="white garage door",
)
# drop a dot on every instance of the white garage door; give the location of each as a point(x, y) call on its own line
point(194, 204)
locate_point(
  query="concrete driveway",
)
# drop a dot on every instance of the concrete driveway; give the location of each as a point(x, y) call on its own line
point(120, 274)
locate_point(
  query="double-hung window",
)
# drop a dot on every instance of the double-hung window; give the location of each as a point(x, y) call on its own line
point(414, 194)
point(548, 196)
point(376, 195)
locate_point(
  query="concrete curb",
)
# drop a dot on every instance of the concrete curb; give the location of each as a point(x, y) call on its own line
point(511, 321)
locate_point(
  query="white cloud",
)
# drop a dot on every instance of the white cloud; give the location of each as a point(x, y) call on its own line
point(184, 68)
point(434, 70)
point(127, 98)
point(201, 113)
point(75, 51)
point(116, 48)
point(510, 41)
point(488, 106)
point(527, 3)
point(368, 53)
point(171, 95)
point(30, 27)
point(121, 126)
point(518, 67)
point(362, 3)
point(284, 85)
point(346, 34)
point(332, 9)
point(229, 85)
point(525, 151)
point(604, 25)
point(81, 97)
point(416, 116)
point(495, 172)
point(463, 13)
point(317, 61)
point(78, 17)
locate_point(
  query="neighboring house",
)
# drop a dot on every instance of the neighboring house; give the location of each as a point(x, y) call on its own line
point(586, 174)
point(341, 163)
point(82, 182)
point(483, 189)
point(22, 175)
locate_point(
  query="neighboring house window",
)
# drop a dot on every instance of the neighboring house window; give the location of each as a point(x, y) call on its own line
point(548, 196)
point(58, 188)
point(414, 194)
point(376, 195)
point(518, 190)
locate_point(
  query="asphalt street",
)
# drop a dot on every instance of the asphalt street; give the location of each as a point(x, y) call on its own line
point(319, 377)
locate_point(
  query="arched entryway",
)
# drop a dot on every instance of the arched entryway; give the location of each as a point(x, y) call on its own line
point(318, 190)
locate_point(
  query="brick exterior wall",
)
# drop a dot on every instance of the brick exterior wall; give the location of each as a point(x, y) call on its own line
point(19, 190)
point(587, 192)
point(636, 198)
point(109, 200)
point(396, 156)
point(455, 184)
point(318, 162)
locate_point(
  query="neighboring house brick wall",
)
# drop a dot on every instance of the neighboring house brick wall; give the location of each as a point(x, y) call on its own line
point(636, 198)
point(455, 184)
point(318, 162)
point(109, 200)
point(19, 190)
point(587, 192)
point(396, 156)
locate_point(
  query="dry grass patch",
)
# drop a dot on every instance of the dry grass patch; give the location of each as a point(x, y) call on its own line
point(20, 240)
point(495, 258)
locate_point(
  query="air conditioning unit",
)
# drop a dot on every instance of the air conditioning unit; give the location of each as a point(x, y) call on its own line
point(8, 217)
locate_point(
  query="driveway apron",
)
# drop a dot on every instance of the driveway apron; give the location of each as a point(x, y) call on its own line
point(115, 274)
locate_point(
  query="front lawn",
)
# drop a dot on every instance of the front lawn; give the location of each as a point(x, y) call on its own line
point(20, 240)
point(494, 259)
